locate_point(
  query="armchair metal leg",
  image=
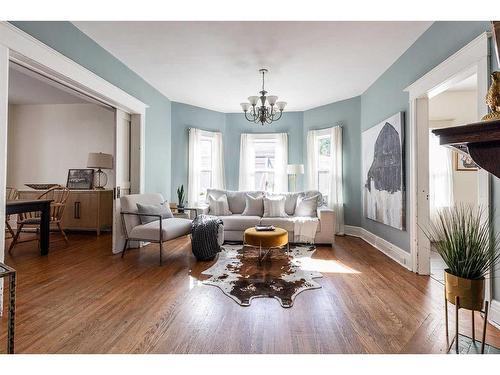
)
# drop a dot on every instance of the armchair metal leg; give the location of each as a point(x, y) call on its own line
point(124, 248)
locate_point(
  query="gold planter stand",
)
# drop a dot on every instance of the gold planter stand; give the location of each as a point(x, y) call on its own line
point(466, 294)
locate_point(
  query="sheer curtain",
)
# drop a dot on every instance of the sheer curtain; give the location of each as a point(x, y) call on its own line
point(194, 165)
point(247, 163)
point(280, 163)
point(336, 197)
point(218, 180)
point(440, 176)
point(335, 186)
point(312, 161)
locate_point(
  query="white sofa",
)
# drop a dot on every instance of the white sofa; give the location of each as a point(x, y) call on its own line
point(235, 224)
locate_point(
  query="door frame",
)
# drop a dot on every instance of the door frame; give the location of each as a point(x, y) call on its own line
point(31, 53)
point(472, 58)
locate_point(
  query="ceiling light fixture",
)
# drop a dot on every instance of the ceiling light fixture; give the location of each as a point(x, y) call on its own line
point(263, 114)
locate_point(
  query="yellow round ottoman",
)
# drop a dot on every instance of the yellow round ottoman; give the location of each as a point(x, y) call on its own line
point(267, 240)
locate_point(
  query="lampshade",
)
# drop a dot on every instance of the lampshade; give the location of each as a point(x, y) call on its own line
point(272, 99)
point(253, 100)
point(100, 160)
point(295, 169)
point(245, 106)
point(281, 105)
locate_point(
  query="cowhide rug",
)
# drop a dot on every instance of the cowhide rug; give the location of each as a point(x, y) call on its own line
point(239, 275)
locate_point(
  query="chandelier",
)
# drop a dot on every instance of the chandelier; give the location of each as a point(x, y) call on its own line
point(263, 114)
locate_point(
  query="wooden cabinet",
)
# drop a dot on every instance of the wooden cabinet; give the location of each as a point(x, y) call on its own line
point(85, 209)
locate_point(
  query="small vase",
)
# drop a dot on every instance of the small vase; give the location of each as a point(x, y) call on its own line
point(470, 292)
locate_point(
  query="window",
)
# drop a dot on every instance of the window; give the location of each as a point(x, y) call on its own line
point(324, 150)
point(206, 164)
point(265, 152)
point(263, 161)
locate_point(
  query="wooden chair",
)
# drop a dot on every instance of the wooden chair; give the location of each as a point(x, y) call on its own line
point(11, 194)
point(59, 195)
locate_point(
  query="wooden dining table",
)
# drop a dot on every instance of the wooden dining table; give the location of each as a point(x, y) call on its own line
point(34, 205)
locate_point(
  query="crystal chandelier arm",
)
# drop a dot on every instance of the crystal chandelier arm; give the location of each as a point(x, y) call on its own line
point(276, 119)
point(251, 118)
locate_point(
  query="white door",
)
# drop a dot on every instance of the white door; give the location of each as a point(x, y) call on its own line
point(423, 212)
point(122, 174)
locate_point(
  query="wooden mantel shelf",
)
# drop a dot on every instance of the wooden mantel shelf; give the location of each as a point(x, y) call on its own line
point(481, 140)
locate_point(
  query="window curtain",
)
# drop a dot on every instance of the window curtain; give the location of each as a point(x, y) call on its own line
point(247, 163)
point(194, 165)
point(281, 162)
point(440, 176)
point(336, 199)
point(312, 160)
point(336, 189)
point(218, 181)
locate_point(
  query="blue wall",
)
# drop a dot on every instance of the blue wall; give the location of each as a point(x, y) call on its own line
point(386, 97)
point(348, 114)
point(71, 42)
point(290, 123)
point(185, 116)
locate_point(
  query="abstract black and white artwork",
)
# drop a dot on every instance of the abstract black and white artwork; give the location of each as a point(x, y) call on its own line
point(383, 172)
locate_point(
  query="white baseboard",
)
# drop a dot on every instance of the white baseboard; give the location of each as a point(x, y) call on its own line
point(494, 313)
point(392, 251)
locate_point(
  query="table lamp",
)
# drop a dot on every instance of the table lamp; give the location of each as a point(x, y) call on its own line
point(100, 161)
point(293, 170)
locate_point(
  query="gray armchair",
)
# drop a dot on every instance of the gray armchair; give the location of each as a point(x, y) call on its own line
point(157, 231)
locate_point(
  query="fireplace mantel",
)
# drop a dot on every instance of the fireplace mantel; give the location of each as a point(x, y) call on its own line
point(480, 140)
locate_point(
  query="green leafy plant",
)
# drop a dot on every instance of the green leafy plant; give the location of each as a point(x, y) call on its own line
point(465, 240)
point(181, 195)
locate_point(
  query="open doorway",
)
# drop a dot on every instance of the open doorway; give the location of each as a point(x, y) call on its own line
point(53, 134)
point(453, 177)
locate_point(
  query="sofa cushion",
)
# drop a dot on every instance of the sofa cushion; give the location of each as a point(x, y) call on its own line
point(239, 222)
point(290, 200)
point(153, 209)
point(254, 206)
point(129, 204)
point(171, 228)
point(219, 205)
point(235, 199)
point(306, 206)
point(274, 206)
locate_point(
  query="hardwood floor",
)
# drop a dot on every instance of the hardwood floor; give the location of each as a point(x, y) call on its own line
point(82, 299)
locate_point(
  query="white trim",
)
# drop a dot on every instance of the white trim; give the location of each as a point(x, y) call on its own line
point(457, 63)
point(472, 58)
point(33, 54)
point(494, 313)
point(392, 251)
point(4, 92)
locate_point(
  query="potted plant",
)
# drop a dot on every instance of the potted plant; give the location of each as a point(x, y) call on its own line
point(469, 247)
point(180, 198)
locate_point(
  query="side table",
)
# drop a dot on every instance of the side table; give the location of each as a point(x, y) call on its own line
point(10, 273)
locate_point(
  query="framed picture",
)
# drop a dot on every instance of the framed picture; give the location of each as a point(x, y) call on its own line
point(383, 167)
point(464, 163)
point(82, 179)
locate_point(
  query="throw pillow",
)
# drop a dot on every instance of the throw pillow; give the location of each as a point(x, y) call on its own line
point(254, 206)
point(306, 206)
point(274, 206)
point(219, 206)
point(153, 209)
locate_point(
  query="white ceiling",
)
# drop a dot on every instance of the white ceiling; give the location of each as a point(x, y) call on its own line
point(26, 87)
point(215, 64)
